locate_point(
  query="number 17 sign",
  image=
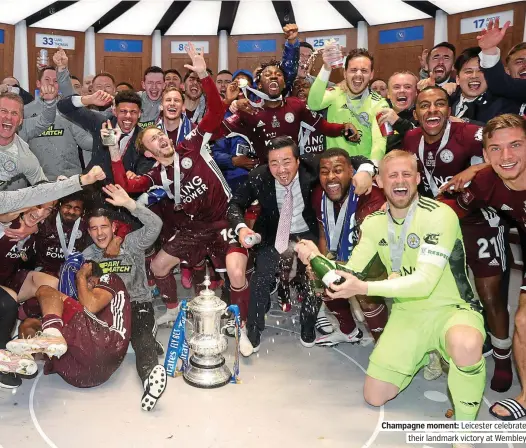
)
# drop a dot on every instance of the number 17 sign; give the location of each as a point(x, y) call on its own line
point(477, 24)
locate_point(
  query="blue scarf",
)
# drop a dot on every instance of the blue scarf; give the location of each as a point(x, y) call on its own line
point(331, 225)
point(68, 273)
point(185, 125)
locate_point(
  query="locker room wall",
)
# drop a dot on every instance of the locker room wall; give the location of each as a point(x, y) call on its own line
point(250, 60)
point(179, 58)
point(396, 46)
point(75, 56)
point(126, 57)
point(513, 36)
point(7, 50)
point(351, 35)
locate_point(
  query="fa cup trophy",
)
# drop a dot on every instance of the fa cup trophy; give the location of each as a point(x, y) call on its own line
point(206, 368)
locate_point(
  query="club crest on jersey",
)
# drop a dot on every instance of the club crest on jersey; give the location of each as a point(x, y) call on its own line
point(289, 117)
point(105, 278)
point(186, 163)
point(467, 197)
point(446, 156)
point(275, 122)
point(413, 241)
point(9, 166)
point(364, 118)
point(478, 135)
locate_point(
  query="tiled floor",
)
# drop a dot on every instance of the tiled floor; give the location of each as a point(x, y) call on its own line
point(290, 396)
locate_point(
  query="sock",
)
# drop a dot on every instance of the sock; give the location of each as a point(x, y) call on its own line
point(52, 325)
point(376, 319)
point(503, 374)
point(466, 385)
point(168, 289)
point(341, 308)
point(240, 297)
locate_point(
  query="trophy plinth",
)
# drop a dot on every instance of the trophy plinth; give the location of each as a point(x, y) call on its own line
point(206, 367)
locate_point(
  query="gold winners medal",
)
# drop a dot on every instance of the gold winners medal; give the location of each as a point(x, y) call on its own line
point(393, 275)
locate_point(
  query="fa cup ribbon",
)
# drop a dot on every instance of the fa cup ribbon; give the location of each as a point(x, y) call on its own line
point(177, 345)
point(234, 309)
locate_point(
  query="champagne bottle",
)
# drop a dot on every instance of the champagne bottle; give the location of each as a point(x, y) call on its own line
point(325, 270)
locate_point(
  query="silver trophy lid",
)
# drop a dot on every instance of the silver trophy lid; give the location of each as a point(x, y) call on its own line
point(206, 301)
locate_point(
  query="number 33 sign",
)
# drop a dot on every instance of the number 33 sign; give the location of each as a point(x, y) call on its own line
point(54, 41)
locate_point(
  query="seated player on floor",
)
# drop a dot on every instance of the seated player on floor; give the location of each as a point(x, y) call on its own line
point(85, 340)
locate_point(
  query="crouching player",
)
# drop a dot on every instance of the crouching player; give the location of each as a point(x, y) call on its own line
point(419, 241)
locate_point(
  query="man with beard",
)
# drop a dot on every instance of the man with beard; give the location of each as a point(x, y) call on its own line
point(61, 234)
point(93, 332)
point(401, 98)
point(419, 242)
point(351, 101)
point(172, 78)
point(194, 102)
point(280, 116)
point(443, 150)
point(153, 86)
point(339, 212)
point(126, 114)
point(129, 265)
point(472, 102)
point(440, 64)
point(503, 186)
point(223, 79)
point(200, 198)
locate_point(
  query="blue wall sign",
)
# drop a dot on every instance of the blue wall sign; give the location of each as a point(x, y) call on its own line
point(123, 46)
point(402, 35)
point(256, 46)
point(1, 36)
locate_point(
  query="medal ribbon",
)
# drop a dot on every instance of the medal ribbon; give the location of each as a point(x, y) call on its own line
point(429, 175)
point(363, 97)
point(259, 94)
point(67, 251)
point(396, 247)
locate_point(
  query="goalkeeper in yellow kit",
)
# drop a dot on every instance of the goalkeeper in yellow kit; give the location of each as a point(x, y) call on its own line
point(352, 101)
point(419, 242)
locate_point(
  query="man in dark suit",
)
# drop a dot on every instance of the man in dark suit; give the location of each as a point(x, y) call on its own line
point(125, 114)
point(283, 189)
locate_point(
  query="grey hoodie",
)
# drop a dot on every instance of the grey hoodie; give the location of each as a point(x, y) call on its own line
point(129, 264)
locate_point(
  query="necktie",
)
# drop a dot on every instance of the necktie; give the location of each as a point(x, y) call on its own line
point(285, 220)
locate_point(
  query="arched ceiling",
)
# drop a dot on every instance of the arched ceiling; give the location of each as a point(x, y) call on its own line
point(208, 17)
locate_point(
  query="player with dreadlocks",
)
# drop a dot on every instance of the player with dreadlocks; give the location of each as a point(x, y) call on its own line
point(275, 115)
